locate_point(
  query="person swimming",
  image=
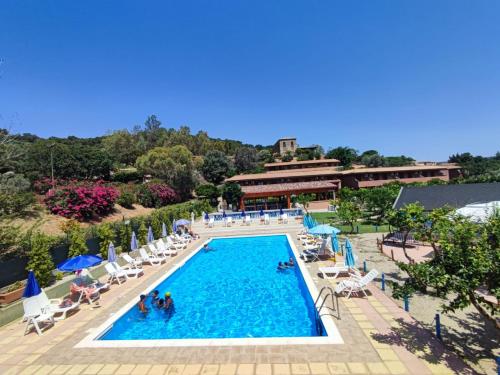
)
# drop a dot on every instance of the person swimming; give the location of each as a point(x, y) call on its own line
point(207, 249)
point(161, 303)
point(155, 295)
point(281, 267)
point(142, 304)
point(291, 263)
point(169, 304)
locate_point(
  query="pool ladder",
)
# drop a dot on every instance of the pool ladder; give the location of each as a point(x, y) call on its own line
point(326, 292)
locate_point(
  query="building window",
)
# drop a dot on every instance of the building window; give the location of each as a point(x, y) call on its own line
point(291, 143)
point(284, 144)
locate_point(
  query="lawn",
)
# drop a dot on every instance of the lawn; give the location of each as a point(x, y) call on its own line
point(330, 218)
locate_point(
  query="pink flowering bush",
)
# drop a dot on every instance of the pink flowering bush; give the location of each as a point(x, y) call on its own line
point(43, 185)
point(156, 195)
point(81, 201)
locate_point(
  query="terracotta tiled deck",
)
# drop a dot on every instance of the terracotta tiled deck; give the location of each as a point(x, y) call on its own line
point(379, 338)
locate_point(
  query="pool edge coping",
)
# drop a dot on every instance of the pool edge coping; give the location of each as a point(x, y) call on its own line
point(333, 334)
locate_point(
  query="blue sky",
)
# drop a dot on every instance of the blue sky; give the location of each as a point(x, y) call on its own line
point(420, 78)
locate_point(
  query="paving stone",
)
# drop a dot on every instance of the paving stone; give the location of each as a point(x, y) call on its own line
point(76, 369)
point(387, 355)
point(30, 370)
point(61, 369)
point(109, 369)
point(281, 369)
point(175, 369)
point(357, 368)
point(395, 367)
point(377, 368)
point(158, 370)
point(360, 317)
point(228, 369)
point(245, 369)
point(319, 368)
point(14, 370)
point(45, 369)
point(124, 370)
point(263, 369)
point(338, 368)
point(439, 368)
point(15, 349)
point(5, 357)
point(191, 370)
point(28, 360)
point(93, 369)
point(210, 370)
point(300, 369)
point(141, 369)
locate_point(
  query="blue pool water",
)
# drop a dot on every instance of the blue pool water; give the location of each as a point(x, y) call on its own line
point(231, 292)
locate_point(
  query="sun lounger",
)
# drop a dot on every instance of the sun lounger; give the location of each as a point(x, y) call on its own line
point(284, 218)
point(185, 238)
point(229, 221)
point(36, 316)
point(151, 259)
point(115, 274)
point(156, 252)
point(355, 284)
point(211, 222)
point(56, 305)
point(247, 220)
point(89, 281)
point(313, 253)
point(334, 271)
point(89, 293)
point(133, 262)
point(170, 244)
point(163, 249)
point(129, 271)
point(267, 220)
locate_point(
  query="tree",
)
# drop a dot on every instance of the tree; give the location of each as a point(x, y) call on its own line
point(265, 156)
point(142, 234)
point(398, 161)
point(231, 192)
point(77, 244)
point(287, 157)
point(304, 200)
point(121, 145)
point(245, 159)
point(172, 164)
point(209, 192)
point(215, 167)
point(349, 213)
point(408, 219)
point(106, 235)
point(373, 160)
point(40, 260)
point(10, 151)
point(125, 237)
point(156, 225)
point(345, 155)
point(378, 201)
point(467, 259)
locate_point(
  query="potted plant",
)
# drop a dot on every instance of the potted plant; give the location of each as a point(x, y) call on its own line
point(11, 292)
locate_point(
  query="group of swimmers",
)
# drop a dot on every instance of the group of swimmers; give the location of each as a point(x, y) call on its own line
point(166, 303)
point(286, 265)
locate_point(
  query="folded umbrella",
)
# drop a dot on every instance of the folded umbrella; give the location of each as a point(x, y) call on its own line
point(32, 288)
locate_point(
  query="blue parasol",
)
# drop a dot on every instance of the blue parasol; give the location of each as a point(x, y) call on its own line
point(206, 216)
point(32, 288)
point(261, 213)
point(164, 230)
point(133, 242)
point(281, 211)
point(243, 214)
point(224, 214)
point(182, 222)
point(335, 244)
point(323, 229)
point(79, 263)
point(111, 253)
point(151, 238)
point(349, 259)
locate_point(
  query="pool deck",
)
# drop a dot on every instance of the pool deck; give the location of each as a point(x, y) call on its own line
point(379, 338)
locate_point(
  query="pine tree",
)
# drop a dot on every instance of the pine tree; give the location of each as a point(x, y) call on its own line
point(142, 234)
point(106, 235)
point(125, 237)
point(156, 226)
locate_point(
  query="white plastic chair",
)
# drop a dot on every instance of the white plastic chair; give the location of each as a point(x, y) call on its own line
point(54, 305)
point(115, 274)
point(284, 218)
point(162, 248)
point(171, 244)
point(35, 315)
point(151, 259)
point(133, 262)
point(336, 270)
point(211, 222)
point(229, 221)
point(247, 220)
point(355, 284)
point(130, 272)
point(267, 220)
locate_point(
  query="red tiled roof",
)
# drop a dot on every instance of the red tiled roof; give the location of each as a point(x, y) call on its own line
point(301, 162)
point(289, 187)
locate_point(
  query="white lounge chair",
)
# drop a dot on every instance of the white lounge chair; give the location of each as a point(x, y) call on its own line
point(133, 262)
point(115, 274)
point(355, 284)
point(54, 305)
point(129, 271)
point(313, 253)
point(229, 221)
point(156, 252)
point(211, 222)
point(247, 220)
point(170, 244)
point(36, 315)
point(163, 249)
point(284, 218)
point(185, 238)
point(151, 259)
point(267, 220)
point(334, 271)
point(91, 281)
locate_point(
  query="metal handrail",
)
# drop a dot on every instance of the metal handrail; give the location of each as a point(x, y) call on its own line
point(330, 293)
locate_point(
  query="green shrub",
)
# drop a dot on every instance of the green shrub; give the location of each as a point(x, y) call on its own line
point(40, 260)
point(125, 236)
point(106, 235)
point(210, 192)
point(142, 234)
point(10, 236)
point(126, 176)
point(11, 183)
point(16, 204)
point(126, 199)
point(156, 225)
point(77, 244)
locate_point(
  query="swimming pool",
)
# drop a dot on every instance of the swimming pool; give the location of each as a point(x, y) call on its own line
point(232, 292)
